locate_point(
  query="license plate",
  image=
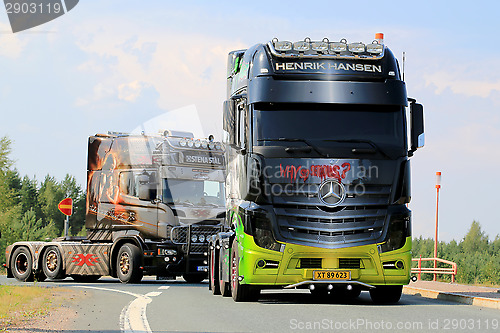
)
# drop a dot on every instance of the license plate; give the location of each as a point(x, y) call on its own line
point(331, 275)
point(202, 268)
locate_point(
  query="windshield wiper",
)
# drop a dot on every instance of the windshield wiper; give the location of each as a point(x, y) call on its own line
point(361, 150)
point(294, 149)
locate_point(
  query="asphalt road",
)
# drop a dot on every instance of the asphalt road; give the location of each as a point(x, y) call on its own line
point(176, 306)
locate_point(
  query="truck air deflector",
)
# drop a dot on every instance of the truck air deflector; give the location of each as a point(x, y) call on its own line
point(268, 90)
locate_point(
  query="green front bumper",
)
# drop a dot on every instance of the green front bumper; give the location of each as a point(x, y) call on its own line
point(289, 271)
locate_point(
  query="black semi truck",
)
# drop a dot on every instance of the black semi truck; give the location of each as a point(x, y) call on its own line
point(317, 171)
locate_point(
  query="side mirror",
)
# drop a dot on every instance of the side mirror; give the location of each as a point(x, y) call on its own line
point(143, 188)
point(228, 120)
point(417, 136)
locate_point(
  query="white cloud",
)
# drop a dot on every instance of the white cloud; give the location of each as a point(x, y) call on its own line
point(131, 91)
point(11, 44)
point(460, 83)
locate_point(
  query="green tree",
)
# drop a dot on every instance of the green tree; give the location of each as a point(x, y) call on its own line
point(475, 240)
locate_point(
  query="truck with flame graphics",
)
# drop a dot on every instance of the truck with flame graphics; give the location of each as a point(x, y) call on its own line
point(152, 203)
point(318, 171)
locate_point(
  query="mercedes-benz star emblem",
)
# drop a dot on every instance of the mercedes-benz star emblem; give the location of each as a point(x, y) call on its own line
point(331, 193)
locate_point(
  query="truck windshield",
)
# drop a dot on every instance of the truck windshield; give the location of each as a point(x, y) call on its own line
point(382, 125)
point(193, 192)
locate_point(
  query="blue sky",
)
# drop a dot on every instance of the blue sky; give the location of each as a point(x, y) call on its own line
point(115, 65)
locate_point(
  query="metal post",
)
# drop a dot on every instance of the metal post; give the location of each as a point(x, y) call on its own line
point(420, 267)
point(438, 186)
point(66, 228)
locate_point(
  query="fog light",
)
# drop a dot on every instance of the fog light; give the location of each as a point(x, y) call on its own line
point(194, 238)
point(330, 287)
point(205, 262)
point(400, 264)
point(312, 287)
point(261, 263)
point(349, 287)
point(167, 259)
point(174, 259)
point(201, 238)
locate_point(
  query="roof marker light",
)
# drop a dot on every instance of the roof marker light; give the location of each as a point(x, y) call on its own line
point(379, 37)
point(339, 46)
point(374, 48)
point(357, 47)
point(302, 46)
point(282, 46)
point(320, 46)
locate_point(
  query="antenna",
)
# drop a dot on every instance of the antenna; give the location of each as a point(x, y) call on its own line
point(404, 60)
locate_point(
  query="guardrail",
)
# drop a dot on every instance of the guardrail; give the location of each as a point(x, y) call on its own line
point(435, 270)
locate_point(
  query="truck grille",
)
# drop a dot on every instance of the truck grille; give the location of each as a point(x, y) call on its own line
point(349, 263)
point(303, 219)
point(310, 263)
point(182, 236)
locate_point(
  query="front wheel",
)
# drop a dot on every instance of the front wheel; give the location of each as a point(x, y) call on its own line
point(52, 263)
point(240, 292)
point(128, 264)
point(22, 265)
point(386, 294)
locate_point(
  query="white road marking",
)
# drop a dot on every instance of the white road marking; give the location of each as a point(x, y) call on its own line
point(153, 294)
point(133, 317)
point(164, 287)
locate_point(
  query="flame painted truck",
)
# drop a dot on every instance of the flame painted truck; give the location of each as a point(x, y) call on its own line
point(152, 202)
point(318, 171)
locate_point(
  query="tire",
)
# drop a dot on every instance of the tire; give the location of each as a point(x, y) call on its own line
point(128, 264)
point(240, 292)
point(213, 268)
point(21, 265)
point(52, 263)
point(193, 277)
point(224, 287)
point(386, 294)
point(85, 278)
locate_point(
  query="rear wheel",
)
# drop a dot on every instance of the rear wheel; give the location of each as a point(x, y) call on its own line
point(52, 263)
point(386, 294)
point(128, 264)
point(213, 267)
point(240, 292)
point(22, 265)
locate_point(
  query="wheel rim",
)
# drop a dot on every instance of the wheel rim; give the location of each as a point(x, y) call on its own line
point(21, 263)
point(212, 265)
point(51, 261)
point(234, 273)
point(124, 263)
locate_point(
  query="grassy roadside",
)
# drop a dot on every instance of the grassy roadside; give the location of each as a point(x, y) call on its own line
point(19, 303)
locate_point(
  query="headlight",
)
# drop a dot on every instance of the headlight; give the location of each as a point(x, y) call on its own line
point(183, 142)
point(258, 225)
point(169, 252)
point(399, 229)
point(201, 238)
point(204, 144)
point(197, 144)
point(190, 143)
point(194, 238)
